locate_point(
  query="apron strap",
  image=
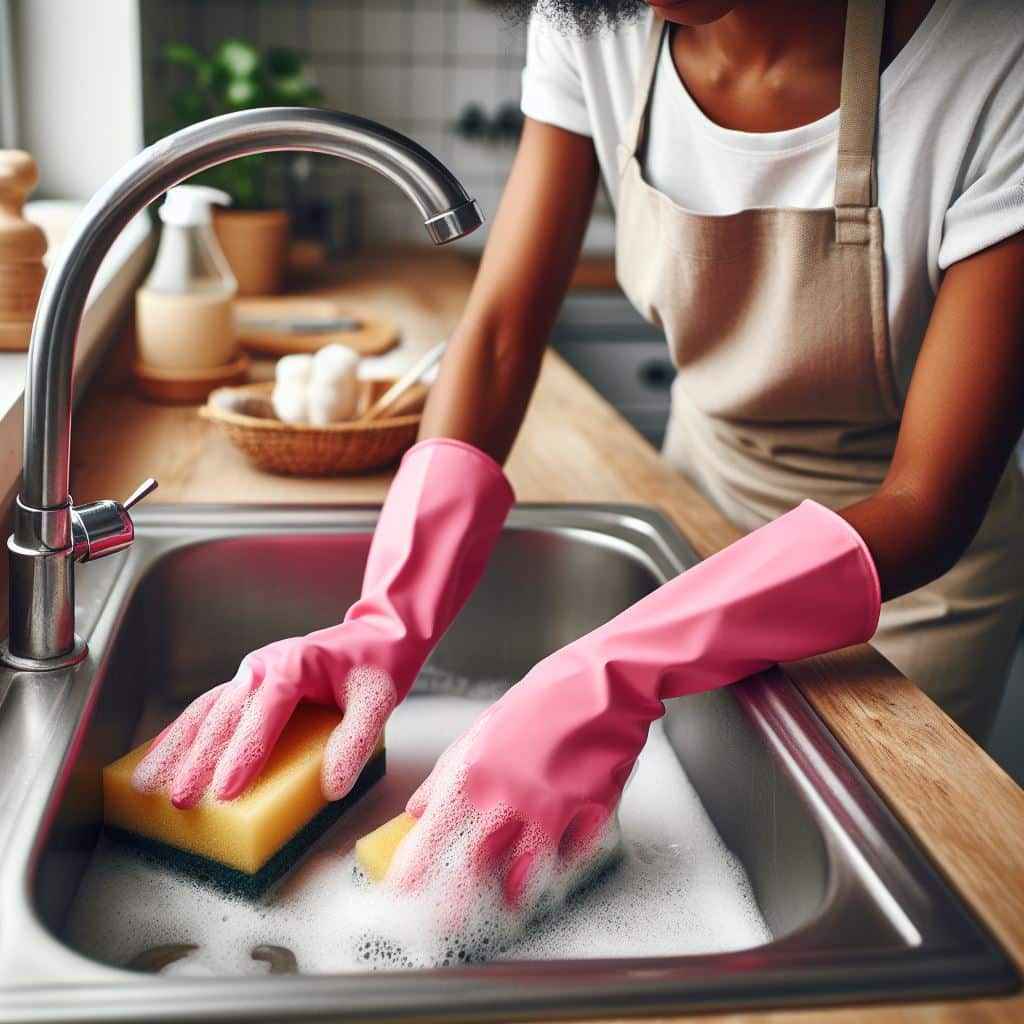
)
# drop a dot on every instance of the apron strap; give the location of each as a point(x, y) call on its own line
point(645, 81)
point(858, 115)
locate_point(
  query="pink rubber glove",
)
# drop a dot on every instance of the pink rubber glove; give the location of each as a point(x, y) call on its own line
point(525, 799)
point(443, 513)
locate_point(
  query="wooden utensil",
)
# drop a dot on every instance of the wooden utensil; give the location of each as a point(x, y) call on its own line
point(274, 326)
point(22, 247)
point(405, 383)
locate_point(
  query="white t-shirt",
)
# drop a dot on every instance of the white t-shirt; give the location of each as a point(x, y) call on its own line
point(950, 151)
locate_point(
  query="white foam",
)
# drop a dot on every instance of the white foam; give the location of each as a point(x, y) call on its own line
point(677, 890)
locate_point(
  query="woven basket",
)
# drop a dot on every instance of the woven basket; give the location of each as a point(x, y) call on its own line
point(244, 416)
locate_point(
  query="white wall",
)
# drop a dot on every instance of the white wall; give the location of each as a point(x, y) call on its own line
point(79, 90)
point(8, 108)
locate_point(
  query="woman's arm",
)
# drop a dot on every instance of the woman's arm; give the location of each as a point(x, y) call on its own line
point(964, 413)
point(494, 356)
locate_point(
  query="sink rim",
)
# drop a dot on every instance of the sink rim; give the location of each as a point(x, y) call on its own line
point(789, 973)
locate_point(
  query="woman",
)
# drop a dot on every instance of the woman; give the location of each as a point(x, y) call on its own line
point(822, 204)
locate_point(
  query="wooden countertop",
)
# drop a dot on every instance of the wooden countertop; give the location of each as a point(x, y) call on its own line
point(965, 811)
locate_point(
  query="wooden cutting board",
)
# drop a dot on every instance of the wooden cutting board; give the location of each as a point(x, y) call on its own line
point(374, 335)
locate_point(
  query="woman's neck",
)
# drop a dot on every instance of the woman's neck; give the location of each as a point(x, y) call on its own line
point(757, 36)
point(767, 67)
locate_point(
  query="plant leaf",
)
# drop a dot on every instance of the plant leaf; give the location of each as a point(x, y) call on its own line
point(241, 92)
point(204, 74)
point(180, 53)
point(188, 106)
point(239, 59)
point(282, 63)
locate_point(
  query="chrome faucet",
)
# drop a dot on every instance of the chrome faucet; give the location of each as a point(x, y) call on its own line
point(50, 532)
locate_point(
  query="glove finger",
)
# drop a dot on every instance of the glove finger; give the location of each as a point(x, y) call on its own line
point(496, 847)
point(517, 878)
point(581, 837)
point(260, 724)
point(489, 862)
point(367, 696)
point(155, 771)
point(416, 805)
point(193, 776)
point(348, 749)
point(159, 737)
point(461, 859)
point(418, 853)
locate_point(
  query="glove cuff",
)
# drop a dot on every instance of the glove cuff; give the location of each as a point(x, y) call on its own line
point(443, 513)
point(871, 585)
point(462, 454)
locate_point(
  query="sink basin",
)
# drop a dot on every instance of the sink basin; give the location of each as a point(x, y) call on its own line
point(856, 910)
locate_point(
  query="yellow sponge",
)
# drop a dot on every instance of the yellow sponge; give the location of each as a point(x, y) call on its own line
point(246, 844)
point(376, 849)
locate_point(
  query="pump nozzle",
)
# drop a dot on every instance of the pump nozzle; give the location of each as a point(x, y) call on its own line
point(189, 205)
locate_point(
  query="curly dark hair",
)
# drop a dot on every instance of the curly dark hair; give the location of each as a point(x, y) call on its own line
point(582, 16)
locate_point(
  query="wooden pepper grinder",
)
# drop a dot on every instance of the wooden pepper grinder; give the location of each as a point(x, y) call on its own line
point(22, 247)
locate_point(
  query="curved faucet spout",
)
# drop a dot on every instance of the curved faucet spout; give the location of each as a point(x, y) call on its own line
point(447, 210)
point(43, 544)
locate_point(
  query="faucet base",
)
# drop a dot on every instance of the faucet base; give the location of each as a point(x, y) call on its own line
point(19, 664)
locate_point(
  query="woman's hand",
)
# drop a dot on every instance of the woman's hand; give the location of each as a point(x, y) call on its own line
point(225, 736)
point(524, 802)
point(444, 511)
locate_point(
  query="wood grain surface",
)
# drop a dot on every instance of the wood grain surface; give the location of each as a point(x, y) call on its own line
point(965, 811)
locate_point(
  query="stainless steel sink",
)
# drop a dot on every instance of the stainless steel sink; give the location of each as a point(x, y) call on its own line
point(858, 913)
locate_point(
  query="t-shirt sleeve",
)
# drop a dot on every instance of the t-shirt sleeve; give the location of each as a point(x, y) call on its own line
point(989, 203)
point(552, 89)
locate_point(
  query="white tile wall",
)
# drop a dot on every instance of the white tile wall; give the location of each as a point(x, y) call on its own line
point(381, 91)
point(384, 30)
point(337, 79)
point(284, 23)
point(474, 84)
point(214, 21)
point(429, 92)
point(413, 64)
point(477, 32)
point(429, 30)
point(332, 28)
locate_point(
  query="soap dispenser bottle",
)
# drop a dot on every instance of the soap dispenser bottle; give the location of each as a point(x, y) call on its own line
point(184, 312)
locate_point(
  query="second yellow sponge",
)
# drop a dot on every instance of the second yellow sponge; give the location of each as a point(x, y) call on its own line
point(375, 851)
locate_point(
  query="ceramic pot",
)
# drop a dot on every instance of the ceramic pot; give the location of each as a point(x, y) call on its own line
point(255, 243)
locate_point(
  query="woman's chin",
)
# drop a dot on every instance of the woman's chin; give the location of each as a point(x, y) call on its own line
point(691, 12)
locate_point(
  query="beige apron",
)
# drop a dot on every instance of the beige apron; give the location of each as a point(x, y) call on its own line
point(785, 390)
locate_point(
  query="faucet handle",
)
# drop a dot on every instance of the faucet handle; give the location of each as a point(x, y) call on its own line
point(103, 527)
point(146, 488)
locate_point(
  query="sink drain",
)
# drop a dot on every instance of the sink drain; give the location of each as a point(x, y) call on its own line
point(155, 959)
point(280, 959)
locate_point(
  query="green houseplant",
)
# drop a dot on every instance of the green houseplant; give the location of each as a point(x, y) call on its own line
point(237, 77)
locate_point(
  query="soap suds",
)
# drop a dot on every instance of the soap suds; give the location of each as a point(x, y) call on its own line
point(673, 889)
